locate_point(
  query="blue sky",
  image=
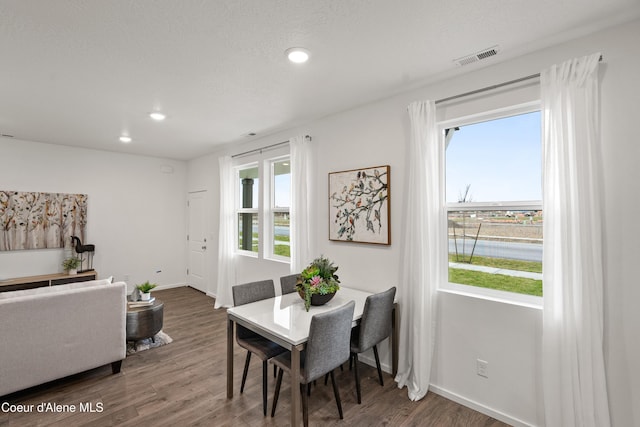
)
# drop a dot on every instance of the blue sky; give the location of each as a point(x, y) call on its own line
point(283, 187)
point(501, 159)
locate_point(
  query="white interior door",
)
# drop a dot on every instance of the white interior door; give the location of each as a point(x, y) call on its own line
point(197, 276)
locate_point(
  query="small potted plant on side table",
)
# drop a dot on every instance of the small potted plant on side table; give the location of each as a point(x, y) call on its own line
point(71, 265)
point(145, 290)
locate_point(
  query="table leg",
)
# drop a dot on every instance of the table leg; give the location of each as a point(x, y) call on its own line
point(295, 385)
point(229, 359)
point(395, 338)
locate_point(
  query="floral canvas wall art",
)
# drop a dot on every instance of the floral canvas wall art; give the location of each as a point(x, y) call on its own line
point(32, 220)
point(359, 209)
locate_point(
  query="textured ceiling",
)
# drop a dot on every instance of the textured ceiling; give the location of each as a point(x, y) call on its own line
point(82, 72)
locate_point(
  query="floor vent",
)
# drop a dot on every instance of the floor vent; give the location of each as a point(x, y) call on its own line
point(475, 57)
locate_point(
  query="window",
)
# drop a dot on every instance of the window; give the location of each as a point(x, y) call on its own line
point(494, 201)
point(263, 206)
point(248, 218)
point(281, 201)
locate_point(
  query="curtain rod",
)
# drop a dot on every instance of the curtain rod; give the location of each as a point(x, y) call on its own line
point(496, 86)
point(261, 149)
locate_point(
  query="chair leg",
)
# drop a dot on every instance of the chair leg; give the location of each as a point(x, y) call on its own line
point(326, 377)
point(276, 392)
point(305, 406)
point(264, 387)
point(375, 353)
point(357, 374)
point(246, 369)
point(336, 393)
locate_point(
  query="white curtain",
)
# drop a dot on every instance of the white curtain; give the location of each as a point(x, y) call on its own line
point(573, 373)
point(226, 238)
point(301, 191)
point(424, 248)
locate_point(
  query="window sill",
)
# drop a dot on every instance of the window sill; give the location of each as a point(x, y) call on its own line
point(280, 260)
point(255, 255)
point(521, 300)
point(247, 254)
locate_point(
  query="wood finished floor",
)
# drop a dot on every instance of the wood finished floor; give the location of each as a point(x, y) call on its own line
point(184, 384)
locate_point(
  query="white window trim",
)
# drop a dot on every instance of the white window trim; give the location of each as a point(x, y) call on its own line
point(476, 291)
point(270, 210)
point(239, 210)
point(264, 162)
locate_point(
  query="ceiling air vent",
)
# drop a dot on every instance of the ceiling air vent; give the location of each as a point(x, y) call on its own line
point(475, 57)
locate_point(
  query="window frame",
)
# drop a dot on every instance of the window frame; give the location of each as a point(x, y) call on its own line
point(271, 210)
point(240, 210)
point(447, 207)
point(264, 161)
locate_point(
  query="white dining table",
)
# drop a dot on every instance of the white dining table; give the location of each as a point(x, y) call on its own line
point(284, 320)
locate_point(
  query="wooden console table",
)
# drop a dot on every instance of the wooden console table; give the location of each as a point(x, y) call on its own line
point(45, 280)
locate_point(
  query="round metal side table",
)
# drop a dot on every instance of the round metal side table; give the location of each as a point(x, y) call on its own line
point(144, 322)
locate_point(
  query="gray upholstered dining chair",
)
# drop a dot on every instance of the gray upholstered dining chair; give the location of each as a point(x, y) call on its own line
point(288, 283)
point(251, 341)
point(326, 349)
point(374, 327)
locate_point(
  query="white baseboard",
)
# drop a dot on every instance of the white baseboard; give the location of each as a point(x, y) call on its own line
point(500, 416)
point(171, 285)
point(372, 362)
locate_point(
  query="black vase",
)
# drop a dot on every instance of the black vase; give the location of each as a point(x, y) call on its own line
point(317, 299)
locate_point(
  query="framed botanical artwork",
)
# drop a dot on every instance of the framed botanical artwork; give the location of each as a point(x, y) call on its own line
point(359, 205)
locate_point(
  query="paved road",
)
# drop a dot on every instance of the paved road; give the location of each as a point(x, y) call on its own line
point(509, 250)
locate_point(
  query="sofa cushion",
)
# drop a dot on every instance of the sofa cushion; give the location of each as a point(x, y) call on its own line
point(56, 288)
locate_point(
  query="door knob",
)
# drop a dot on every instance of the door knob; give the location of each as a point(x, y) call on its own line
point(204, 247)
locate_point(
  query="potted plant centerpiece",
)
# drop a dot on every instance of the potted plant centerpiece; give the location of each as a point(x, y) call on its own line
point(71, 265)
point(318, 283)
point(145, 290)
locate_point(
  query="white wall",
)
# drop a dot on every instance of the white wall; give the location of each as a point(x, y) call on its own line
point(136, 213)
point(507, 336)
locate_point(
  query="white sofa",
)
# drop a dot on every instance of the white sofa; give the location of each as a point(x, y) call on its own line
point(52, 332)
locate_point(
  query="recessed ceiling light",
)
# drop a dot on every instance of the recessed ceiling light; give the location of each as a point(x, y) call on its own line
point(126, 139)
point(297, 55)
point(157, 116)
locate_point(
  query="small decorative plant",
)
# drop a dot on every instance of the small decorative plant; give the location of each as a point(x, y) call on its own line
point(71, 263)
point(146, 287)
point(318, 278)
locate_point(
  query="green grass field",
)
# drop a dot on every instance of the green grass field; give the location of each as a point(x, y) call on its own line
point(501, 282)
point(520, 285)
point(282, 250)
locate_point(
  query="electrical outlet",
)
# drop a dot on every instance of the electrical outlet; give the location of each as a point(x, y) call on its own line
point(482, 368)
point(126, 278)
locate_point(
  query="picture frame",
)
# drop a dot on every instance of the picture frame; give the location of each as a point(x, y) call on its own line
point(360, 205)
point(37, 220)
